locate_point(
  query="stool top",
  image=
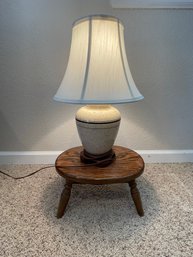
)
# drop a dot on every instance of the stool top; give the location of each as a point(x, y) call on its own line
point(127, 166)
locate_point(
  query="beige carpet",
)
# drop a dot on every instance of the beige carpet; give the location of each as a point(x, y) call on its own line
point(100, 220)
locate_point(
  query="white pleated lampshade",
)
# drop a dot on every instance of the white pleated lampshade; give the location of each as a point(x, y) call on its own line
point(97, 70)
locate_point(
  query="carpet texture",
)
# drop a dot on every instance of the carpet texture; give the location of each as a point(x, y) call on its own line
point(99, 220)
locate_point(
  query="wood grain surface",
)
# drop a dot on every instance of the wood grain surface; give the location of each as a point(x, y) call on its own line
point(127, 166)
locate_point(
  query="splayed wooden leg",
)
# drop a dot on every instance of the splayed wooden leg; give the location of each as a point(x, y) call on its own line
point(64, 199)
point(136, 197)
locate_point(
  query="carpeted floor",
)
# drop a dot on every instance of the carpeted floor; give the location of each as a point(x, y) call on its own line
point(100, 220)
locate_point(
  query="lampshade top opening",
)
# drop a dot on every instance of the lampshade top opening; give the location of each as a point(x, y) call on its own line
point(97, 17)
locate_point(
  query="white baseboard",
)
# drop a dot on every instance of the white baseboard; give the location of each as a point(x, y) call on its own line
point(152, 4)
point(49, 157)
point(166, 156)
point(29, 157)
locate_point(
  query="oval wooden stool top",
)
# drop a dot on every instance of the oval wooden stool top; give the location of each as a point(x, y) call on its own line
point(127, 166)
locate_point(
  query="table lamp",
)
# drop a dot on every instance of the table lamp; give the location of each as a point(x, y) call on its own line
point(97, 75)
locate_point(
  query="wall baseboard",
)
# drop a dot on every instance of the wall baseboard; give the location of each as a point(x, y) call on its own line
point(152, 4)
point(29, 157)
point(49, 157)
point(166, 156)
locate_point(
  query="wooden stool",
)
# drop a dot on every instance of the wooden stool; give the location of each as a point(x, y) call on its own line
point(125, 169)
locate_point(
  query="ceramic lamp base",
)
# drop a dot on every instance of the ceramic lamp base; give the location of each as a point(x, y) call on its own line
point(97, 127)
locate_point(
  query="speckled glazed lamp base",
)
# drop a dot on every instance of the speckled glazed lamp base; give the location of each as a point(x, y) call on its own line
point(97, 127)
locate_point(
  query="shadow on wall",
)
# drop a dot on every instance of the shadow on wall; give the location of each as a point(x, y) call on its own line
point(156, 124)
point(58, 131)
point(8, 135)
point(43, 129)
point(138, 129)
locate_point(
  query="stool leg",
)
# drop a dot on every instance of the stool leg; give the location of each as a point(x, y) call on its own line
point(64, 199)
point(136, 197)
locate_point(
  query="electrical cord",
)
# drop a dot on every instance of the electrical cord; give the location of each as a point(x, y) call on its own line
point(95, 163)
point(28, 175)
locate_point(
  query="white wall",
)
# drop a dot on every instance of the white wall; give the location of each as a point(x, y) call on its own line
point(34, 46)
